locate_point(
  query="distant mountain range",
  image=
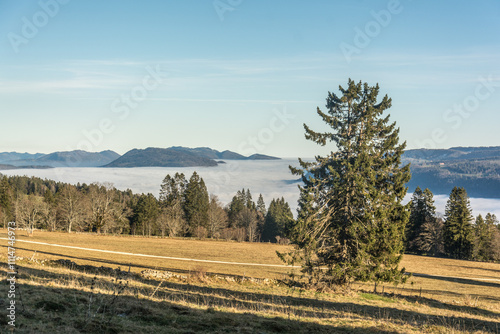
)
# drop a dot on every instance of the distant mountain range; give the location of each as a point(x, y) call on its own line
point(76, 158)
point(151, 157)
point(477, 169)
point(179, 157)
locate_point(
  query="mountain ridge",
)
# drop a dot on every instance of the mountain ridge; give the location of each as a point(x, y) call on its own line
point(179, 156)
point(76, 158)
point(477, 169)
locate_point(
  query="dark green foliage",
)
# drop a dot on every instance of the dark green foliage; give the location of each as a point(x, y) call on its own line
point(146, 213)
point(278, 222)
point(486, 239)
point(196, 203)
point(261, 205)
point(351, 220)
point(243, 215)
point(422, 211)
point(249, 203)
point(173, 189)
point(242, 199)
point(6, 201)
point(457, 234)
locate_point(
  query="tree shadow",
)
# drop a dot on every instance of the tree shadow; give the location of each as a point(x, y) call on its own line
point(295, 305)
point(477, 268)
point(57, 310)
point(459, 280)
point(123, 264)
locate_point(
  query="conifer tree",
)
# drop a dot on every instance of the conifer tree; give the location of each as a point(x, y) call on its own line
point(6, 202)
point(278, 222)
point(238, 203)
point(196, 203)
point(146, 213)
point(350, 218)
point(172, 189)
point(422, 211)
point(457, 231)
point(261, 205)
point(486, 246)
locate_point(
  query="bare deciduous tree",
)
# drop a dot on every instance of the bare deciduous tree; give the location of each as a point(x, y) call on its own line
point(172, 220)
point(29, 209)
point(100, 205)
point(71, 208)
point(217, 217)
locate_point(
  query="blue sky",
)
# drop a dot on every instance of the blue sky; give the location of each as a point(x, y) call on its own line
point(241, 75)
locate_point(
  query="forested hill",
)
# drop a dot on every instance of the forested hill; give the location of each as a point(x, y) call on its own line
point(454, 153)
point(179, 157)
point(477, 169)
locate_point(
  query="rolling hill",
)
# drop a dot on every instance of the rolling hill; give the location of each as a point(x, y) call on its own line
point(161, 157)
point(178, 156)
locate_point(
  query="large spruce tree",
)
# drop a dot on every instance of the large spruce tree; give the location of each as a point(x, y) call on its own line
point(457, 231)
point(351, 222)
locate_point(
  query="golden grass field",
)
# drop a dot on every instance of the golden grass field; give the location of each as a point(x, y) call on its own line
point(443, 296)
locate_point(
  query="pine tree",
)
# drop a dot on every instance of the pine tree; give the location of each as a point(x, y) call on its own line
point(238, 203)
point(261, 205)
point(278, 222)
point(6, 202)
point(196, 203)
point(350, 219)
point(457, 231)
point(146, 213)
point(494, 246)
point(486, 245)
point(422, 211)
point(172, 189)
point(249, 203)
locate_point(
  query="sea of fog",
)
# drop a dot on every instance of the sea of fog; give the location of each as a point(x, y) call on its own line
point(271, 178)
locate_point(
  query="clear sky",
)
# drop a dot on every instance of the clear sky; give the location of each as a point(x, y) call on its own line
point(241, 75)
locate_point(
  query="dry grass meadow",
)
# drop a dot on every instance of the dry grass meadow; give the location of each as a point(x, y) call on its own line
point(95, 292)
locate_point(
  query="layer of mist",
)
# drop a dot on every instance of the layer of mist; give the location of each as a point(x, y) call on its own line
point(271, 178)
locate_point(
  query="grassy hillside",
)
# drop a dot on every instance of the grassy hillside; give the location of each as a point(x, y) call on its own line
point(88, 294)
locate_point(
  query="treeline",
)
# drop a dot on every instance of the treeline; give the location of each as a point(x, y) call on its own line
point(183, 209)
point(459, 235)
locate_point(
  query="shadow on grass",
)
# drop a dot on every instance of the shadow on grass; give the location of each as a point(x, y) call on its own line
point(477, 268)
point(293, 304)
point(58, 310)
point(123, 265)
point(459, 280)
